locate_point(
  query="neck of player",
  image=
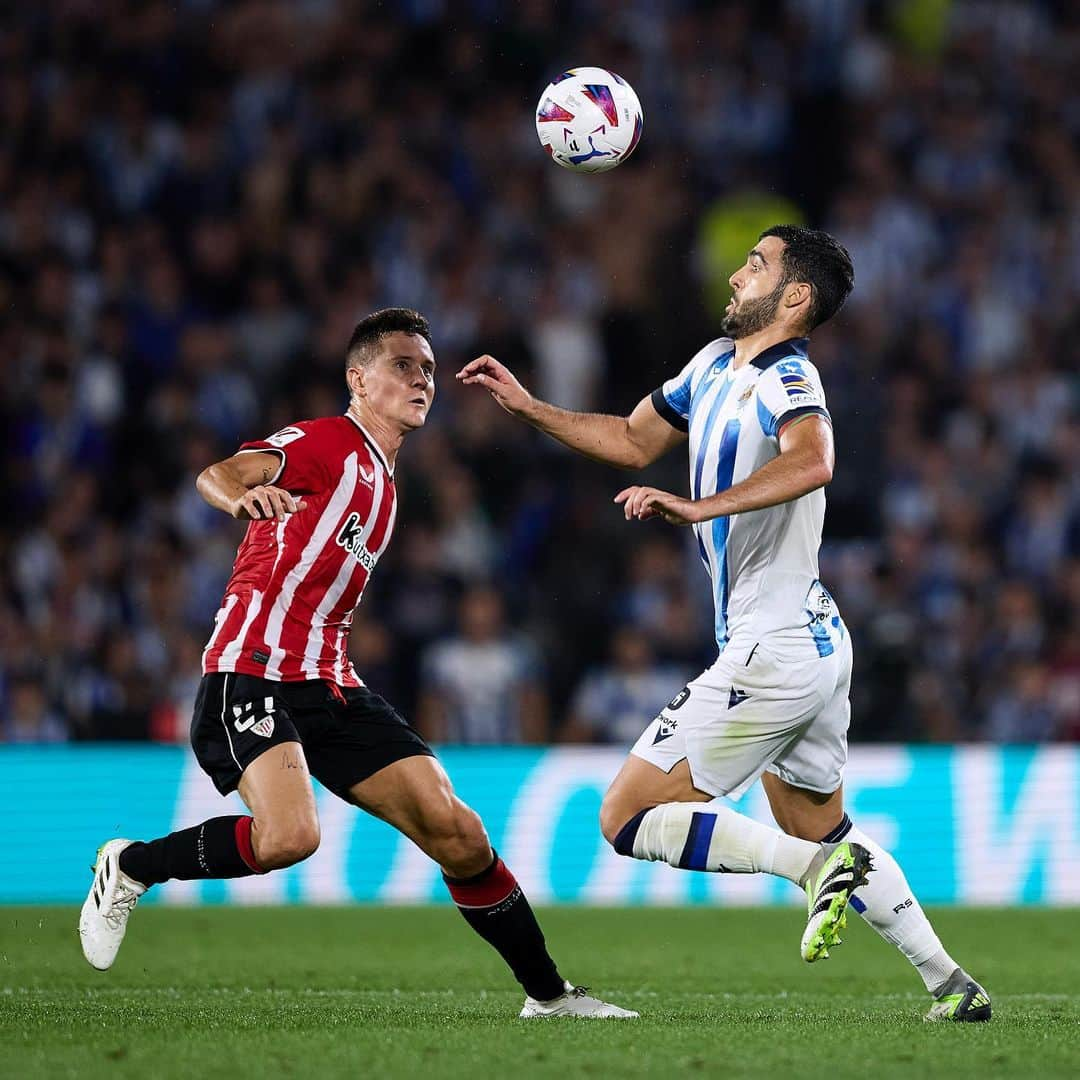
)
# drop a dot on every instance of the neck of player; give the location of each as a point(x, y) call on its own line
point(388, 437)
point(746, 348)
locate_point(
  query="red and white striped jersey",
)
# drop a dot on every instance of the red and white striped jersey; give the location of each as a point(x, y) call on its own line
point(289, 603)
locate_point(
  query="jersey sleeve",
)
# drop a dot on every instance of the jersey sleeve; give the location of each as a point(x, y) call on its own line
point(672, 398)
point(787, 390)
point(303, 452)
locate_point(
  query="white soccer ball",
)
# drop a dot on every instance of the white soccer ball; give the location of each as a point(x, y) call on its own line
point(589, 120)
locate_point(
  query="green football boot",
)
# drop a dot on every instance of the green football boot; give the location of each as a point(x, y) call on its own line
point(834, 875)
point(961, 999)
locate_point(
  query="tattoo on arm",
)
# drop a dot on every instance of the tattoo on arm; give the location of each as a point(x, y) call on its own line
point(267, 473)
point(288, 761)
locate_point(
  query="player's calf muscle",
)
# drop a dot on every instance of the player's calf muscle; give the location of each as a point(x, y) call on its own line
point(809, 815)
point(416, 796)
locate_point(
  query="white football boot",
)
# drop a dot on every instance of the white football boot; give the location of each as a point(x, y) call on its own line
point(104, 915)
point(574, 1001)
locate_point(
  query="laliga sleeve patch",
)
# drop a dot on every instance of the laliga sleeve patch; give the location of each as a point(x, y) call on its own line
point(285, 436)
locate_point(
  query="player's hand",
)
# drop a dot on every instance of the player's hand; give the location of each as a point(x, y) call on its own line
point(264, 502)
point(499, 381)
point(643, 503)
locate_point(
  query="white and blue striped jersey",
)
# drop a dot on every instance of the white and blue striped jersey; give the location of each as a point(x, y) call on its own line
point(764, 563)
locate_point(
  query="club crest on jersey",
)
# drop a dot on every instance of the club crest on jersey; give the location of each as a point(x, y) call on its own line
point(744, 397)
point(246, 720)
point(350, 538)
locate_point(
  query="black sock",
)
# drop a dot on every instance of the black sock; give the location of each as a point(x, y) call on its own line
point(495, 907)
point(218, 848)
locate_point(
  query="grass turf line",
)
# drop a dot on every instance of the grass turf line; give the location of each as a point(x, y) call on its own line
point(390, 992)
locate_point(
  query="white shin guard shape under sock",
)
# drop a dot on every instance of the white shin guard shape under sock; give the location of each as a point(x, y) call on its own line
point(709, 836)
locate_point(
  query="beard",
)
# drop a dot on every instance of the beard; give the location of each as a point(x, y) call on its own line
point(753, 315)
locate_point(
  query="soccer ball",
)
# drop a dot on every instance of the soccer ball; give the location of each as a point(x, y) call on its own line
point(589, 120)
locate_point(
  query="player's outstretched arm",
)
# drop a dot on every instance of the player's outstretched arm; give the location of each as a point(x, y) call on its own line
point(804, 464)
point(240, 486)
point(627, 442)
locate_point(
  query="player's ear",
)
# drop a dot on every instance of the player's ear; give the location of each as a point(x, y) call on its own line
point(797, 294)
point(354, 378)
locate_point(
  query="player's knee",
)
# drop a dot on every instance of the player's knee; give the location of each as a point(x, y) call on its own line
point(297, 845)
point(613, 816)
point(286, 845)
point(458, 841)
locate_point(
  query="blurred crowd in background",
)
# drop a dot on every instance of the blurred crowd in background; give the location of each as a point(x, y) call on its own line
point(199, 199)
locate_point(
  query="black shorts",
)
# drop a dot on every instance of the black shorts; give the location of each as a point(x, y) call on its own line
point(348, 733)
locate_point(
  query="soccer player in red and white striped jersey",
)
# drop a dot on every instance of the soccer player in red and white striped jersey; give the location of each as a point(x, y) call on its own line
point(299, 576)
point(280, 702)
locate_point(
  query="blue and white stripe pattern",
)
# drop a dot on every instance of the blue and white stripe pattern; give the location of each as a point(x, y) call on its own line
point(762, 564)
point(695, 853)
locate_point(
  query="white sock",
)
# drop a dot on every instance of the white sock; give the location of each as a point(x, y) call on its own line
point(887, 903)
point(708, 836)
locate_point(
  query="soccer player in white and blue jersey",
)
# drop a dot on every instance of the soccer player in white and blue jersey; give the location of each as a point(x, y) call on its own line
point(774, 705)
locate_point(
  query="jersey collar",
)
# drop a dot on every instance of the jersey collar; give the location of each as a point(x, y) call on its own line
point(372, 444)
point(796, 346)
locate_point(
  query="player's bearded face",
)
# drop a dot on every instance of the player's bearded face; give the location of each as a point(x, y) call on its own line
point(748, 316)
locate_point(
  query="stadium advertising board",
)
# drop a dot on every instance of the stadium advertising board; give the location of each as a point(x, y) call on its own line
point(970, 825)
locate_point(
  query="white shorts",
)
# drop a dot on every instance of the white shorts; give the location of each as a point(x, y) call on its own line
point(754, 710)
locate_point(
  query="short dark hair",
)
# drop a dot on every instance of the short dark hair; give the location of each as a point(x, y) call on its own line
point(820, 260)
point(373, 328)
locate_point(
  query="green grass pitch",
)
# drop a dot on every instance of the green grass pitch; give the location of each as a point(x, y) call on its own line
point(389, 992)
